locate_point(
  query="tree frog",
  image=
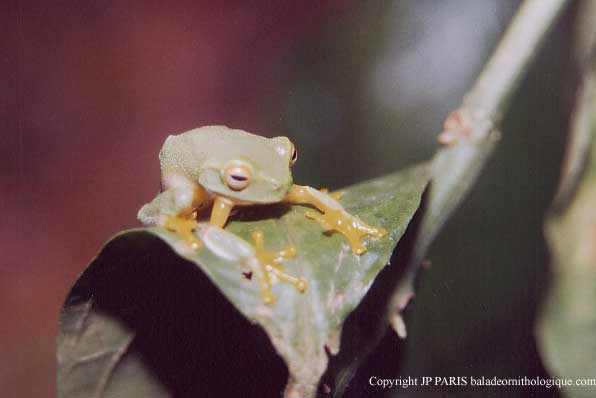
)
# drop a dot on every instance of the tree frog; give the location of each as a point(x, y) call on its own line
point(216, 169)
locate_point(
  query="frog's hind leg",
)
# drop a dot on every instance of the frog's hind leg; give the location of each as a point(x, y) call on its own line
point(334, 217)
point(270, 263)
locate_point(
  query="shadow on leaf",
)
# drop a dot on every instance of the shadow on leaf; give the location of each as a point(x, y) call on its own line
point(188, 339)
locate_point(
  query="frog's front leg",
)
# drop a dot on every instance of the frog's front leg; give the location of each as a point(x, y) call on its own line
point(221, 211)
point(334, 217)
point(176, 209)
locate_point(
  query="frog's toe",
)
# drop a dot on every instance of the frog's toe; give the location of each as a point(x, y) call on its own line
point(320, 218)
point(270, 264)
point(350, 226)
point(358, 230)
point(288, 252)
point(337, 195)
point(357, 247)
point(266, 293)
point(301, 284)
point(376, 232)
point(183, 226)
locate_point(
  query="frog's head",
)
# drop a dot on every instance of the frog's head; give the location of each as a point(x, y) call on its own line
point(253, 170)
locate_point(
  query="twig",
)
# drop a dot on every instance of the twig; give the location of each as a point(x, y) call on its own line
point(470, 133)
point(510, 60)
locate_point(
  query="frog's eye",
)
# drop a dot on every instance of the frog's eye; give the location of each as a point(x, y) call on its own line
point(294, 155)
point(237, 177)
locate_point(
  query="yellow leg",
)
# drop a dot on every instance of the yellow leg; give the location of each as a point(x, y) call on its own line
point(184, 226)
point(221, 211)
point(185, 221)
point(334, 217)
point(271, 264)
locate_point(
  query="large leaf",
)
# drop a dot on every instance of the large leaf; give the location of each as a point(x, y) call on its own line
point(141, 320)
point(567, 327)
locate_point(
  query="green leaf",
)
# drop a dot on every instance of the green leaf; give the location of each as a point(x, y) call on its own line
point(567, 325)
point(141, 315)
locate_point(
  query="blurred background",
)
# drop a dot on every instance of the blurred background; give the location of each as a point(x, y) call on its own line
point(91, 89)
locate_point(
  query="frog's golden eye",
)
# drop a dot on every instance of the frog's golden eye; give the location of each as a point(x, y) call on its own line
point(237, 176)
point(294, 155)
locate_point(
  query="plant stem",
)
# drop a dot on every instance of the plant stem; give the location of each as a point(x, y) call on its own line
point(471, 132)
point(511, 58)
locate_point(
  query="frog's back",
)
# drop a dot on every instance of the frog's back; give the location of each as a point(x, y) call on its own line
point(188, 152)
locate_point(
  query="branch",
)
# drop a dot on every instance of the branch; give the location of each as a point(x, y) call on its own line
point(470, 133)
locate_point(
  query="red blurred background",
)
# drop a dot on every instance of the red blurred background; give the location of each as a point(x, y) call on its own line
point(91, 90)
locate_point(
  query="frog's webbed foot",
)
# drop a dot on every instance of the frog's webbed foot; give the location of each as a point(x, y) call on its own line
point(270, 263)
point(183, 226)
point(334, 217)
point(350, 226)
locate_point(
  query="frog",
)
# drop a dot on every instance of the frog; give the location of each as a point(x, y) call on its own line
point(211, 171)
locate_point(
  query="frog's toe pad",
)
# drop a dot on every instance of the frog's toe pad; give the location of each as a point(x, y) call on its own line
point(301, 284)
point(184, 227)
